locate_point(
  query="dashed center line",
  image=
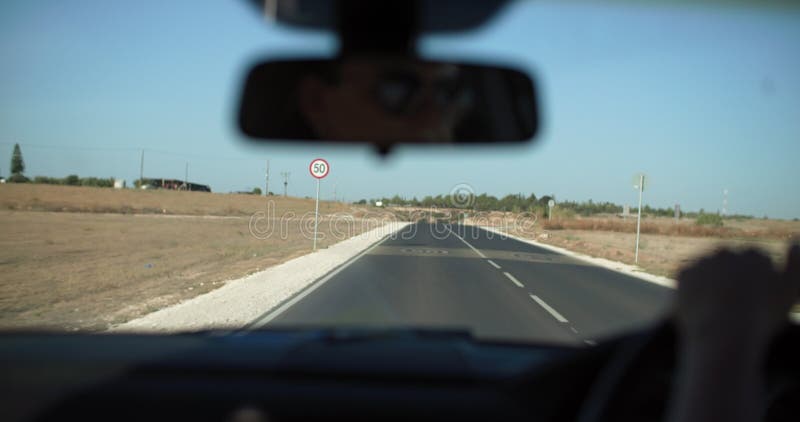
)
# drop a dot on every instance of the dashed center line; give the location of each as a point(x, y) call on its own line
point(548, 308)
point(560, 318)
point(512, 278)
point(480, 254)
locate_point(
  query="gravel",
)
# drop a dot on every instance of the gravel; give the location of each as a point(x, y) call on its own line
point(241, 301)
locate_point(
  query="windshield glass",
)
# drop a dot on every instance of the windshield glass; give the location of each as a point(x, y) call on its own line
point(130, 200)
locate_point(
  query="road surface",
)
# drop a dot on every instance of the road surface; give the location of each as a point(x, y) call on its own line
point(463, 277)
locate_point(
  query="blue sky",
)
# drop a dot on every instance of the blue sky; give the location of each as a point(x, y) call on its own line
point(699, 99)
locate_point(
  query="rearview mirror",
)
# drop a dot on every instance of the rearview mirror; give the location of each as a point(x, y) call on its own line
point(387, 100)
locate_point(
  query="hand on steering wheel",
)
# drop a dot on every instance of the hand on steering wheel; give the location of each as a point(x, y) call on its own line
point(729, 306)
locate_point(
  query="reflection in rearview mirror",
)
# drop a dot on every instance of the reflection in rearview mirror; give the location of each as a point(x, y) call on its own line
point(387, 100)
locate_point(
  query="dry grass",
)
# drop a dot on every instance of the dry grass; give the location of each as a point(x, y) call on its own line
point(70, 271)
point(658, 254)
point(750, 229)
point(665, 247)
point(732, 229)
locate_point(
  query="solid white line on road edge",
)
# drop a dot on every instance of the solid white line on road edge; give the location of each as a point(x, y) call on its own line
point(590, 342)
point(493, 264)
point(573, 330)
point(480, 254)
point(264, 320)
point(619, 267)
point(547, 308)
point(511, 277)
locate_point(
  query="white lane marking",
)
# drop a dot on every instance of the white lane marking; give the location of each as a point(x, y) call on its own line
point(573, 330)
point(548, 308)
point(590, 342)
point(511, 277)
point(493, 264)
point(480, 254)
point(264, 320)
point(629, 270)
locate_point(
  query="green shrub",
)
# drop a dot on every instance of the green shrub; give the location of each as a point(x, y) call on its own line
point(45, 180)
point(713, 220)
point(72, 180)
point(18, 178)
point(97, 182)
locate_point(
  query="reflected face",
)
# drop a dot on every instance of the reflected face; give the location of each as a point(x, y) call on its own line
point(385, 100)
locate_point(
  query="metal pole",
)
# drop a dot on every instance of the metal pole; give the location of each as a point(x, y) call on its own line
point(639, 218)
point(316, 217)
point(186, 177)
point(141, 171)
point(266, 185)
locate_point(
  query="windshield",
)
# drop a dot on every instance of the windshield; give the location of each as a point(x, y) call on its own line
point(130, 201)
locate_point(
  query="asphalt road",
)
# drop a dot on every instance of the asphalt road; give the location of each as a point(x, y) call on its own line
point(462, 277)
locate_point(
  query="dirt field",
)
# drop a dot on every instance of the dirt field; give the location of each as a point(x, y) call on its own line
point(30, 197)
point(665, 246)
point(85, 271)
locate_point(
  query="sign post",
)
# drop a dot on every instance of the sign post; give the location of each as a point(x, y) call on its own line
point(640, 186)
point(318, 168)
point(550, 204)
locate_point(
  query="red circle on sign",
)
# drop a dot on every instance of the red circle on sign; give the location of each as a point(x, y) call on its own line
point(320, 175)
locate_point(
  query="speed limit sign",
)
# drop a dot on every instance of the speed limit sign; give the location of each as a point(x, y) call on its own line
point(319, 168)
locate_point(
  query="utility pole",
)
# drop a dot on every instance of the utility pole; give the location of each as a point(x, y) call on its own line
point(724, 202)
point(186, 177)
point(266, 186)
point(285, 175)
point(141, 171)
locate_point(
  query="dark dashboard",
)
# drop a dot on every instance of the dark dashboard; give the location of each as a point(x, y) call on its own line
point(289, 375)
point(339, 375)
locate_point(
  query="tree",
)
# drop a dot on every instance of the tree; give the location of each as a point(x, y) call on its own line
point(72, 180)
point(17, 164)
point(256, 191)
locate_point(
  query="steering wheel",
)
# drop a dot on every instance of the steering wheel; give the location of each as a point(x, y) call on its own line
point(650, 354)
point(637, 382)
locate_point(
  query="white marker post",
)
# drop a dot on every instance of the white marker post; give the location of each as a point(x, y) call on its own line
point(550, 204)
point(640, 186)
point(318, 168)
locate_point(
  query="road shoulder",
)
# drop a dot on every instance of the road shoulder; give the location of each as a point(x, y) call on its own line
point(241, 301)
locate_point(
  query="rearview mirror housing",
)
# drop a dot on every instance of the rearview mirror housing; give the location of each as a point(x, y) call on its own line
point(387, 100)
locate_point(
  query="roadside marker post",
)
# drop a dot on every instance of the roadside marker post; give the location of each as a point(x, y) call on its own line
point(550, 204)
point(319, 168)
point(640, 186)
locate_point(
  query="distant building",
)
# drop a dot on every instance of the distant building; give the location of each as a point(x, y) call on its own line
point(119, 184)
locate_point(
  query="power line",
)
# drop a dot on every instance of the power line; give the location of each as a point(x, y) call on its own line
point(71, 147)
